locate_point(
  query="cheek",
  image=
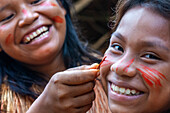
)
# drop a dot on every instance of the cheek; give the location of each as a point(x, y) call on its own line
point(9, 39)
point(152, 77)
point(49, 3)
point(6, 37)
point(53, 11)
point(58, 19)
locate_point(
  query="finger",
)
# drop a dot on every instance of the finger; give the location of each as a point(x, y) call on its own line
point(84, 67)
point(78, 90)
point(84, 100)
point(76, 77)
point(83, 109)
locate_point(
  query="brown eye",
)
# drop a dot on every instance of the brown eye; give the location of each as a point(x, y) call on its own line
point(117, 47)
point(36, 1)
point(150, 56)
point(7, 18)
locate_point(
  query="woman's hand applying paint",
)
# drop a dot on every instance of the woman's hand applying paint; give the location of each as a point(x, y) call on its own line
point(70, 91)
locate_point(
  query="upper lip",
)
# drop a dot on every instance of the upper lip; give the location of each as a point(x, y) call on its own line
point(33, 29)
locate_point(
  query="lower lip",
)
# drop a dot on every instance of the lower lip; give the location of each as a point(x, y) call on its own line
point(41, 40)
point(123, 99)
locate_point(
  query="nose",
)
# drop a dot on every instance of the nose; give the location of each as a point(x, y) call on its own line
point(28, 17)
point(124, 67)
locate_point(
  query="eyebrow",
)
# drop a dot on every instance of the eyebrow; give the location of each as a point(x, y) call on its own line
point(2, 8)
point(155, 44)
point(119, 36)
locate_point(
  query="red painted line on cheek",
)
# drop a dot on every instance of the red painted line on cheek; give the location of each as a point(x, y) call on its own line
point(101, 62)
point(106, 61)
point(25, 12)
point(152, 75)
point(154, 78)
point(156, 72)
point(7, 41)
point(58, 19)
point(146, 78)
point(128, 64)
point(119, 65)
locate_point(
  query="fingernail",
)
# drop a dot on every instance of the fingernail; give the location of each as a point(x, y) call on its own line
point(94, 66)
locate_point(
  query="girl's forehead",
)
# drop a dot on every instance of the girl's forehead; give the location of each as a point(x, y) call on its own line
point(146, 21)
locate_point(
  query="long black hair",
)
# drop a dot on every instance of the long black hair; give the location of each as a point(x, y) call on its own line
point(20, 79)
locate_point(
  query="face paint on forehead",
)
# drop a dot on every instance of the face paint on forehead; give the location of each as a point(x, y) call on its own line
point(58, 19)
point(151, 76)
point(49, 4)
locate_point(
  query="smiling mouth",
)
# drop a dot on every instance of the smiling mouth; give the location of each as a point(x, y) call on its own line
point(39, 33)
point(125, 91)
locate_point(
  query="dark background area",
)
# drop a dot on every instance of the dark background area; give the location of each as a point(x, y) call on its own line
point(93, 17)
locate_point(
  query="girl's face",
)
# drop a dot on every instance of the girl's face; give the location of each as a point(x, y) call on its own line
point(136, 70)
point(32, 31)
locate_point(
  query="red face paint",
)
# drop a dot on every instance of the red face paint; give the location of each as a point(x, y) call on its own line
point(1, 27)
point(151, 76)
point(8, 39)
point(58, 19)
point(25, 12)
point(101, 62)
point(128, 64)
point(48, 4)
point(106, 61)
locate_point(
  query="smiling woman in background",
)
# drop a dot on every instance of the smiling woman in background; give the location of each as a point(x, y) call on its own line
point(37, 44)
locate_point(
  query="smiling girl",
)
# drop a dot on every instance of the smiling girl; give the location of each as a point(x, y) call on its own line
point(136, 69)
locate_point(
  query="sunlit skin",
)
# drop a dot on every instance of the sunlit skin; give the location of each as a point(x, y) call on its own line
point(152, 77)
point(138, 59)
point(26, 17)
point(48, 4)
point(8, 39)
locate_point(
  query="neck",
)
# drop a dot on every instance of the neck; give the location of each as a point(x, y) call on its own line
point(52, 67)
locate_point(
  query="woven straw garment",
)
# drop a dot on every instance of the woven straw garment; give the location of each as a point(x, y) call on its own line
point(12, 102)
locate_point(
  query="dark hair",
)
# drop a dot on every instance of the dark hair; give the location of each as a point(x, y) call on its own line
point(161, 7)
point(20, 79)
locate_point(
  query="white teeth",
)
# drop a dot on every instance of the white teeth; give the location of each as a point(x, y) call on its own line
point(124, 91)
point(42, 35)
point(38, 31)
point(31, 36)
point(116, 88)
point(133, 91)
point(35, 34)
point(127, 91)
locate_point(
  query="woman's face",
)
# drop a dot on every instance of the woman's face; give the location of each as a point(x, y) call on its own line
point(136, 70)
point(32, 31)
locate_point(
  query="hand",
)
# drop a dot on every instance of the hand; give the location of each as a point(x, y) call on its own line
point(70, 91)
